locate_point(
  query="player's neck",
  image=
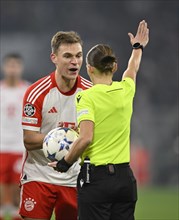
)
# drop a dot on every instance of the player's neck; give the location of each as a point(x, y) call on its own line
point(64, 84)
point(12, 82)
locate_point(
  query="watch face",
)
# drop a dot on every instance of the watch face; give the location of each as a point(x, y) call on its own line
point(136, 45)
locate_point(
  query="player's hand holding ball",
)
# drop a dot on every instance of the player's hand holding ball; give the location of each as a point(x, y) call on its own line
point(56, 145)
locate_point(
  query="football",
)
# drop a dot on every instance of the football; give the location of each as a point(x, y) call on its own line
point(58, 142)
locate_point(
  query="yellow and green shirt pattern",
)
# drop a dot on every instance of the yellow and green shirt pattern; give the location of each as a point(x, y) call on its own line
point(110, 107)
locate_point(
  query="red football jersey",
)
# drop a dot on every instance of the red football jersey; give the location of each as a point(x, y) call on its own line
point(44, 106)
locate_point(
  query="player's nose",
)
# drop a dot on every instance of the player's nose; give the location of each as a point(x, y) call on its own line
point(74, 60)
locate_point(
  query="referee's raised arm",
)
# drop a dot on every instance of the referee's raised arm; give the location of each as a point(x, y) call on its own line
point(138, 43)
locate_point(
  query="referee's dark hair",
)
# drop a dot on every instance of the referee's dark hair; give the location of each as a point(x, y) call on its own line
point(102, 58)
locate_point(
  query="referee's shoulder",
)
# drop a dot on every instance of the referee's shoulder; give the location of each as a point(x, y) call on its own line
point(85, 93)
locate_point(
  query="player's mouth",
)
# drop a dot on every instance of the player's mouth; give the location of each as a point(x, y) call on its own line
point(73, 70)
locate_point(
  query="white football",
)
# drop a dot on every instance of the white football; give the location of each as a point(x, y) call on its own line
point(58, 142)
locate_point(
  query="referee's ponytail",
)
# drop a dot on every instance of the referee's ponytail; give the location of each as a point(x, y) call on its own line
point(102, 58)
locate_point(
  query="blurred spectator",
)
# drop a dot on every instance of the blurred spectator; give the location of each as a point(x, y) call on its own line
point(12, 89)
point(140, 163)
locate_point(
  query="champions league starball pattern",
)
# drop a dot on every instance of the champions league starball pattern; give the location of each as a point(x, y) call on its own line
point(29, 110)
point(58, 142)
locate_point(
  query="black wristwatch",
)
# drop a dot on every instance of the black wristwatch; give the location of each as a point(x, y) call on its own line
point(137, 46)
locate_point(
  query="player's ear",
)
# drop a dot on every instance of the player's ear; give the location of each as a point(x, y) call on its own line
point(115, 67)
point(53, 58)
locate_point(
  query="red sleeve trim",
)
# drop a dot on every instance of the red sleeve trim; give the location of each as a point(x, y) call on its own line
point(33, 102)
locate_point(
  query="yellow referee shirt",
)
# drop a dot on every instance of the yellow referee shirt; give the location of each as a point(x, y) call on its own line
point(110, 108)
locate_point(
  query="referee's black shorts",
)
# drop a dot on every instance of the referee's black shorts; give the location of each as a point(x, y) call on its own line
point(110, 195)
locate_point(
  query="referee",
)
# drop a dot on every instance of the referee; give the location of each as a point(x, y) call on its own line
point(106, 184)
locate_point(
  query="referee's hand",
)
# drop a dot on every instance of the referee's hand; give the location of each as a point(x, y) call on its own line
point(142, 35)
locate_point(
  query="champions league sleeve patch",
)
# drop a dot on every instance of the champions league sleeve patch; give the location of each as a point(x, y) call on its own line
point(29, 110)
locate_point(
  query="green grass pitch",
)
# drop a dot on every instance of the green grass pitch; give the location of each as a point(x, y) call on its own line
point(155, 204)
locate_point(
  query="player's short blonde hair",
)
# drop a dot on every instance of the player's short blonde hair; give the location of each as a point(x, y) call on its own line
point(61, 37)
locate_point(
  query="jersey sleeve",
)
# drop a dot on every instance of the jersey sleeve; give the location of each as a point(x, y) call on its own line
point(31, 113)
point(84, 106)
point(129, 87)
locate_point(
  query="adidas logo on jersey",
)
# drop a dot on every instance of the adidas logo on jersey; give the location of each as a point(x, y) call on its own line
point(52, 110)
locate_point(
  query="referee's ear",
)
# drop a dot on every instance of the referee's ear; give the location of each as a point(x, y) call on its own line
point(90, 69)
point(115, 67)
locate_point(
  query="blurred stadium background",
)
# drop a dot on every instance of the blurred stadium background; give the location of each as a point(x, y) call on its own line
point(27, 27)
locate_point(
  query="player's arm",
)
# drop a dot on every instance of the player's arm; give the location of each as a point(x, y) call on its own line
point(32, 119)
point(142, 37)
point(33, 140)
